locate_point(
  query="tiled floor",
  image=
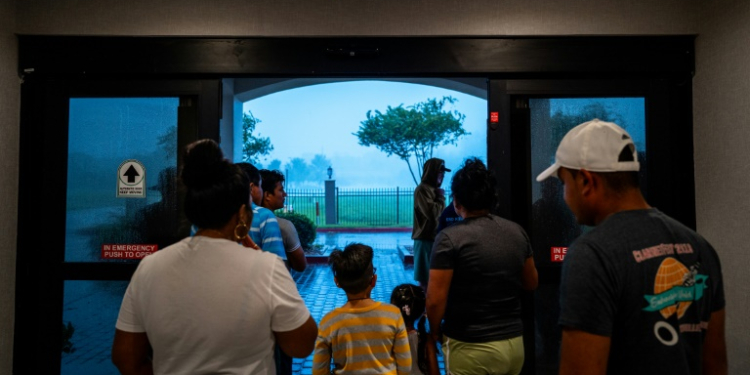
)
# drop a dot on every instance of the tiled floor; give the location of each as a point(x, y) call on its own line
point(92, 306)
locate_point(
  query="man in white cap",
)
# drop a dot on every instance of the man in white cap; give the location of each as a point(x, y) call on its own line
point(640, 293)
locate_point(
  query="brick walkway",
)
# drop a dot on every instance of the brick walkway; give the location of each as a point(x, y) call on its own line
point(92, 306)
point(321, 295)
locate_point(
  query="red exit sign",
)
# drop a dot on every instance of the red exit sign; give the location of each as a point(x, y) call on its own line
point(558, 253)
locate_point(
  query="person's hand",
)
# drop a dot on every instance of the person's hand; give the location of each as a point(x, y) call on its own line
point(248, 242)
point(436, 336)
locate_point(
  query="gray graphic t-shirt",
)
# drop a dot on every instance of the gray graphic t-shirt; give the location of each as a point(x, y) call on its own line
point(487, 255)
point(647, 282)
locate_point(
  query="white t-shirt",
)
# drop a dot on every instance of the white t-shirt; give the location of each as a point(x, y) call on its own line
point(210, 306)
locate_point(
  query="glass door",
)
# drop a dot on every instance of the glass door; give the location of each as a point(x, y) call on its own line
point(115, 149)
point(553, 226)
point(526, 121)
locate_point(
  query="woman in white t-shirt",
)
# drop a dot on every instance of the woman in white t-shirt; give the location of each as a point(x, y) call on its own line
point(207, 304)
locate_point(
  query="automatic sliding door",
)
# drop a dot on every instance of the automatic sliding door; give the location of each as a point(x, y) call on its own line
point(553, 226)
point(107, 157)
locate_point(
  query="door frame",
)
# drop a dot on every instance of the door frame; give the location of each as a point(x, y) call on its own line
point(41, 267)
point(517, 67)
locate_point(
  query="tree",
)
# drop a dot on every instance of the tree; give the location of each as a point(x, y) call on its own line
point(415, 130)
point(168, 143)
point(318, 167)
point(275, 164)
point(297, 170)
point(253, 147)
point(561, 122)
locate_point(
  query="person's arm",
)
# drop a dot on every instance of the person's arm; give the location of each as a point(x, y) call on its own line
point(429, 204)
point(294, 252)
point(130, 353)
point(437, 298)
point(530, 278)
point(583, 353)
point(401, 351)
point(297, 259)
point(430, 351)
point(715, 346)
point(322, 357)
point(299, 342)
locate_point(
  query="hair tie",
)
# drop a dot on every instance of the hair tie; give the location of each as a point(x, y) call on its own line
point(407, 310)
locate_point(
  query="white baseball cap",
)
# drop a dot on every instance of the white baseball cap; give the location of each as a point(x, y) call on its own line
point(595, 146)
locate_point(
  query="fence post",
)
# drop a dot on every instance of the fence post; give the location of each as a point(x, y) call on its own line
point(397, 212)
point(331, 206)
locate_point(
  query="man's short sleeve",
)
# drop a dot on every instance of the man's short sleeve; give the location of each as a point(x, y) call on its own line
point(289, 235)
point(587, 296)
point(443, 253)
point(288, 310)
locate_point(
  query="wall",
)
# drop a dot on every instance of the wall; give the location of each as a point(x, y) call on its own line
point(351, 17)
point(9, 117)
point(721, 84)
point(721, 100)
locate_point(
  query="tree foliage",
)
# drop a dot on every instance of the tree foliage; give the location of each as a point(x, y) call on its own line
point(561, 122)
point(413, 131)
point(300, 170)
point(253, 146)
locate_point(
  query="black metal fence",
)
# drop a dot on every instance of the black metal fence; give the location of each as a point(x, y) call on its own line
point(373, 207)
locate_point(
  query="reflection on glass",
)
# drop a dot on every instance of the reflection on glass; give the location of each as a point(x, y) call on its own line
point(103, 133)
point(90, 311)
point(552, 223)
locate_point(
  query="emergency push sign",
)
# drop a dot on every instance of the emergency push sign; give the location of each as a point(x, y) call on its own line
point(131, 179)
point(127, 251)
point(558, 253)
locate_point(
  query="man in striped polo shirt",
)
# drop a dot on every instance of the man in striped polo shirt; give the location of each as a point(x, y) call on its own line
point(363, 336)
point(264, 229)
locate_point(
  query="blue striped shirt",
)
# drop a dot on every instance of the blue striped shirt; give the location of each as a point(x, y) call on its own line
point(264, 230)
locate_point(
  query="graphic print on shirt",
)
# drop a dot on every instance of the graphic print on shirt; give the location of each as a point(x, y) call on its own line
point(675, 288)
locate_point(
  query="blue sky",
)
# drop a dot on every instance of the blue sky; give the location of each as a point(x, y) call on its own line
point(320, 119)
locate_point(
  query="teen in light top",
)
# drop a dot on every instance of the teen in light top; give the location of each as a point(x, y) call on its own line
point(363, 336)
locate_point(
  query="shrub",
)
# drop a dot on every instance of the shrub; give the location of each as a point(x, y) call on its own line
point(306, 228)
point(67, 333)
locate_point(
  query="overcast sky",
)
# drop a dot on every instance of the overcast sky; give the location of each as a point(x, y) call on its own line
point(321, 119)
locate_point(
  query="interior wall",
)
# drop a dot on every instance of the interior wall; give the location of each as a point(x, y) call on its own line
point(383, 17)
point(9, 118)
point(721, 99)
point(721, 86)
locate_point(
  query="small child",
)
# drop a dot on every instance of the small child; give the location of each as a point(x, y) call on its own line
point(363, 336)
point(410, 299)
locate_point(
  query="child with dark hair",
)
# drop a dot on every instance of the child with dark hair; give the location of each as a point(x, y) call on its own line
point(411, 300)
point(363, 336)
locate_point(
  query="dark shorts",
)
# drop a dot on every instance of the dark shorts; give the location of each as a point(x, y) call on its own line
point(422, 251)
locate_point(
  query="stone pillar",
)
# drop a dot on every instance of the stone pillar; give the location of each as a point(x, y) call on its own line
point(331, 202)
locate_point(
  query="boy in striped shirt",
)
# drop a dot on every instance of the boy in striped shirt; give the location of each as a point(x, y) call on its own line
point(363, 336)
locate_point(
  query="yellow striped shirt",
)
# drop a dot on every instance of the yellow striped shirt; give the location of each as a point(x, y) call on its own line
point(363, 341)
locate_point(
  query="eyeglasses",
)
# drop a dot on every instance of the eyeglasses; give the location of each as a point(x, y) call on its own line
point(374, 269)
